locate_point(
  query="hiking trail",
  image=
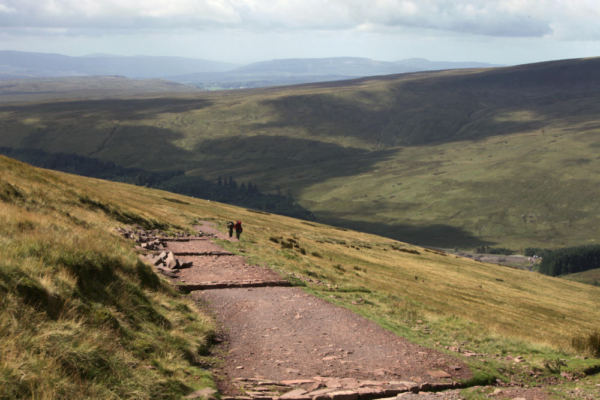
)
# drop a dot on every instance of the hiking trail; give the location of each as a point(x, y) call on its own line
point(283, 343)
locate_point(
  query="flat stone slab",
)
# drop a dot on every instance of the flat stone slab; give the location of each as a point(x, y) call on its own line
point(439, 374)
point(343, 395)
point(233, 285)
point(194, 246)
point(216, 270)
point(295, 394)
point(292, 382)
point(200, 254)
point(191, 239)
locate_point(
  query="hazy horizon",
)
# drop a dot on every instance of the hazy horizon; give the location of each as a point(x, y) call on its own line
point(237, 64)
point(246, 31)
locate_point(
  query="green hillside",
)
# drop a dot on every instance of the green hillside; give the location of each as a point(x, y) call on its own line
point(80, 316)
point(504, 156)
point(591, 277)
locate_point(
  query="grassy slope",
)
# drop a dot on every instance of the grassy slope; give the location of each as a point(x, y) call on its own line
point(591, 277)
point(454, 158)
point(428, 297)
point(80, 315)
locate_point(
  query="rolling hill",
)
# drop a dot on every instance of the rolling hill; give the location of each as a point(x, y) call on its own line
point(503, 156)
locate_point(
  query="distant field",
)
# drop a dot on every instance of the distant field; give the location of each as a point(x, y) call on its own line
point(83, 87)
point(502, 157)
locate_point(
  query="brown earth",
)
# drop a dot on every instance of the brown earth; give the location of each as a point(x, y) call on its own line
point(285, 333)
point(281, 342)
point(193, 246)
point(222, 268)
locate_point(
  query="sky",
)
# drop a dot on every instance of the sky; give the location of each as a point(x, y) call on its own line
point(243, 31)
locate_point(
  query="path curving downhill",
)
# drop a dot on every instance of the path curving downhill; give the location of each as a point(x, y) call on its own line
point(282, 343)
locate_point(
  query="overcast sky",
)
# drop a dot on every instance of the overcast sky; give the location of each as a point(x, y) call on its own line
point(242, 31)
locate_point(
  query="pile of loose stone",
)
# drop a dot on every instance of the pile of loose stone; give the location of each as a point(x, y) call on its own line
point(322, 388)
point(155, 240)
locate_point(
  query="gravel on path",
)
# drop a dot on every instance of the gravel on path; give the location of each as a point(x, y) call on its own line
point(285, 333)
point(223, 268)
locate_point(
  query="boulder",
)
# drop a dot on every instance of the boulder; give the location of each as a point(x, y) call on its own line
point(171, 262)
point(157, 261)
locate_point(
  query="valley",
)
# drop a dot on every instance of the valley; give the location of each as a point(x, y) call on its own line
point(463, 158)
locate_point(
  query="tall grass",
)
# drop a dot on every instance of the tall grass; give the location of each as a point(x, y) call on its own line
point(589, 343)
point(64, 270)
point(80, 315)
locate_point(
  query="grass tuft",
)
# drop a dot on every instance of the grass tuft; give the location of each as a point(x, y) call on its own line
point(588, 343)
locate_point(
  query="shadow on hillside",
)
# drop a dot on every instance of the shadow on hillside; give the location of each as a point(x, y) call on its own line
point(446, 107)
point(275, 152)
point(120, 109)
point(435, 235)
point(147, 147)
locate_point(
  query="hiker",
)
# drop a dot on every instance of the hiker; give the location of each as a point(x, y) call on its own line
point(230, 225)
point(238, 229)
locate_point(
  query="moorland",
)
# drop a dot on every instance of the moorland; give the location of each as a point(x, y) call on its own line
point(82, 316)
point(462, 158)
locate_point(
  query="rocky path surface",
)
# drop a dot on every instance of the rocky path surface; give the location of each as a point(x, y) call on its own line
point(285, 334)
point(284, 344)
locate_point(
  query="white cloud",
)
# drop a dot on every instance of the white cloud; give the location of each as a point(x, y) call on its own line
point(6, 9)
point(561, 19)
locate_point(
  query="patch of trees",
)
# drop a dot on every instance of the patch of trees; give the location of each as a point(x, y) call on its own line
point(494, 250)
point(537, 251)
point(570, 260)
point(224, 190)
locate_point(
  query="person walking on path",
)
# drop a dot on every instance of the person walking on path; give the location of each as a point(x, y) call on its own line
point(230, 226)
point(238, 229)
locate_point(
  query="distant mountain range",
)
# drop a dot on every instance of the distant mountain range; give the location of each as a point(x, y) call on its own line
point(17, 64)
point(304, 70)
point(212, 74)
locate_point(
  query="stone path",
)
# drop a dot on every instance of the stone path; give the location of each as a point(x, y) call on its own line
point(282, 343)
